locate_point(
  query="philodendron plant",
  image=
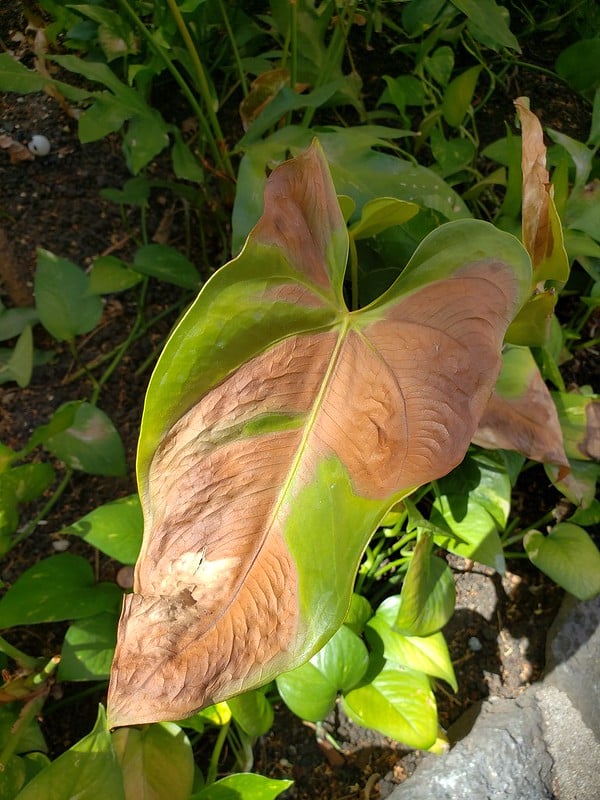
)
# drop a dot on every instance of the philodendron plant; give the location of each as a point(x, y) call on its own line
point(279, 429)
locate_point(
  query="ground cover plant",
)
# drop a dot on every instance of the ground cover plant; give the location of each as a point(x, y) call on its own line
point(276, 412)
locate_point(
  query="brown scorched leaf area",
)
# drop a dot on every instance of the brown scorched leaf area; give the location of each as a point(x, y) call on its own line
point(215, 608)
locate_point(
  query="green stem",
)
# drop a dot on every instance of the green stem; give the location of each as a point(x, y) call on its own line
point(29, 662)
point(202, 85)
point(53, 500)
point(124, 345)
point(97, 688)
point(234, 48)
point(353, 255)
point(179, 79)
point(211, 775)
point(89, 375)
point(293, 44)
point(108, 356)
point(29, 712)
point(333, 55)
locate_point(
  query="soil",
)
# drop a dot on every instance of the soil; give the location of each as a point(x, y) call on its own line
point(497, 635)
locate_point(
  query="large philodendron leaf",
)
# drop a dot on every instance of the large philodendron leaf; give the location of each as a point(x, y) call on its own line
point(279, 428)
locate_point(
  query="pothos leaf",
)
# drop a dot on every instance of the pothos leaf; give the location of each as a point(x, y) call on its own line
point(278, 430)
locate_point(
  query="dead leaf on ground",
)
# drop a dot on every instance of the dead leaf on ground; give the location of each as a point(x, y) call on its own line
point(17, 152)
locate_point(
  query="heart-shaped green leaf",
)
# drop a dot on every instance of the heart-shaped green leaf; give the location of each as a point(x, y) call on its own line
point(82, 436)
point(88, 648)
point(252, 712)
point(399, 703)
point(64, 301)
point(278, 430)
point(568, 556)
point(57, 588)
point(311, 689)
point(427, 654)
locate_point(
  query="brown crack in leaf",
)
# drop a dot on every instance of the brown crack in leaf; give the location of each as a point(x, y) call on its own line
point(171, 670)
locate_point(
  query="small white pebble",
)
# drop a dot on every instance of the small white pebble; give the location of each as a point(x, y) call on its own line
point(39, 145)
point(60, 545)
point(474, 644)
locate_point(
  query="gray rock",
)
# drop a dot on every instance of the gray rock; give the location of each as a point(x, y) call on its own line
point(503, 758)
point(574, 748)
point(542, 745)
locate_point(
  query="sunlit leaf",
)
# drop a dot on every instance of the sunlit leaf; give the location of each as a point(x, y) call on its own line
point(109, 274)
point(423, 653)
point(252, 712)
point(399, 703)
point(156, 761)
point(234, 787)
point(58, 588)
point(532, 325)
point(380, 214)
point(88, 648)
point(87, 771)
point(359, 612)
point(278, 426)
point(568, 556)
point(311, 689)
point(115, 528)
